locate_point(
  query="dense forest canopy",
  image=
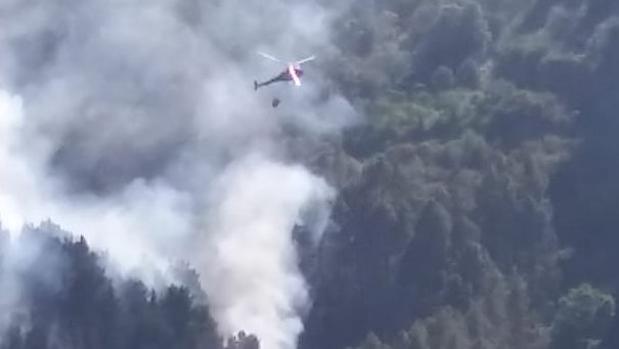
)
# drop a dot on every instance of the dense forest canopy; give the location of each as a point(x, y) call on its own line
point(448, 182)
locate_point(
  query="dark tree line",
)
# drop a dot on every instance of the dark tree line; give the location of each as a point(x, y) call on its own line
point(63, 298)
point(477, 201)
point(478, 210)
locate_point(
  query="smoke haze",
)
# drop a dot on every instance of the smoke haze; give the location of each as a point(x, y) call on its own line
point(135, 125)
point(251, 270)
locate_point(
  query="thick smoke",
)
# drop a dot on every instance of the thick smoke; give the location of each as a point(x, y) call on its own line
point(251, 266)
point(135, 125)
point(115, 223)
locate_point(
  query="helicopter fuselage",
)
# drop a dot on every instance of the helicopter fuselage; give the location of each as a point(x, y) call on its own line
point(283, 76)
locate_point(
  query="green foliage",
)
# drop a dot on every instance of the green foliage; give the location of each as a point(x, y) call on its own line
point(442, 78)
point(459, 32)
point(456, 195)
point(243, 341)
point(449, 229)
point(583, 317)
point(70, 302)
point(373, 342)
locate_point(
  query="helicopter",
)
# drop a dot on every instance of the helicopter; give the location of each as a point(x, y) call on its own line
point(293, 71)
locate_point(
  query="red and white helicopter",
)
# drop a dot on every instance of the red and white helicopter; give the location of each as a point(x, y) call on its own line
point(292, 73)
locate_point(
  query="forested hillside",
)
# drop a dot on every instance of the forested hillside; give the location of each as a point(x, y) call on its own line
point(67, 300)
point(481, 209)
point(475, 208)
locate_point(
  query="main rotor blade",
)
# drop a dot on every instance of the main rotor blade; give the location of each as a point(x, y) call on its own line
point(268, 56)
point(306, 60)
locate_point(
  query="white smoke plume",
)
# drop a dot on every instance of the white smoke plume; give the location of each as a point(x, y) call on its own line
point(115, 224)
point(135, 124)
point(251, 272)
